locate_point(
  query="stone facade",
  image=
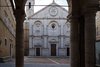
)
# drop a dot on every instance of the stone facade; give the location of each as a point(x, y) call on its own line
point(49, 32)
point(7, 29)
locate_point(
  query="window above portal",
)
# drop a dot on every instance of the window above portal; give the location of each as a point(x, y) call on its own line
point(53, 26)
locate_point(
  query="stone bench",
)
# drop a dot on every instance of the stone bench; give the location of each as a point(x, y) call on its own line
point(4, 59)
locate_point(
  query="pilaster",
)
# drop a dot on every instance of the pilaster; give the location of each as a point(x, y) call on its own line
point(45, 42)
point(62, 42)
point(45, 30)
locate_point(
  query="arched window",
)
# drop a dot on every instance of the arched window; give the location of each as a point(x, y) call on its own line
point(29, 5)
point(38, 28)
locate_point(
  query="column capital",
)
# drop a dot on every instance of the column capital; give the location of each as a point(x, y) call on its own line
point(90, 9)
point(74, 15)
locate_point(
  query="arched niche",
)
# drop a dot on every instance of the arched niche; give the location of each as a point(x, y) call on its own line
point(66, 29)
point(37, 28)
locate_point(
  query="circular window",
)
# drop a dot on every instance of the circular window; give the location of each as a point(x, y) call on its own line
point(53, 11)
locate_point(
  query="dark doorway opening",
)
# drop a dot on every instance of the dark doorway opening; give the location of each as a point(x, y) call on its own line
point(37, 51)
point(53, 49)
point(68, 52)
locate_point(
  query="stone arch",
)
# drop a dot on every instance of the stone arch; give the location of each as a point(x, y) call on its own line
point(53, 22)
point(53, 28)
point(38, 21)
point(37, 28)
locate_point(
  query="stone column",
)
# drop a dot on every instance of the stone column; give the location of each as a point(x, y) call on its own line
point(90, 38)
point(61, 34)
point(61, 28)
point(32, 36)
point(20, 16)
point(45, 36)
point(75, 54)
point(81, 41)
point(45, 30)
point(32, 42)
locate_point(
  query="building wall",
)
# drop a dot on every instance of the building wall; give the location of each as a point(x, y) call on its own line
point(26, 38)
point(7, 29)
point(42, 34)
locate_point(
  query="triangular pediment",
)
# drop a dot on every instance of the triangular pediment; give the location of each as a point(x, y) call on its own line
point(53, 10)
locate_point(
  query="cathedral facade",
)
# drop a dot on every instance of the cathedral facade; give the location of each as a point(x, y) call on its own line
point(49, 32)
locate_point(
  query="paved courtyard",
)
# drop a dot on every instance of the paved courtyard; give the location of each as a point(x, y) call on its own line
point(48, 60)
point(40, 62)
point(35, 65)
point(44, 60)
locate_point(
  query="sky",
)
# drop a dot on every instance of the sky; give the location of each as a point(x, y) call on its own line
point(47, 2)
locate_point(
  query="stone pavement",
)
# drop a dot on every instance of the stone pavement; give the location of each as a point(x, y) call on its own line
point(40, 62)
point(46, 60)
point(34, 65)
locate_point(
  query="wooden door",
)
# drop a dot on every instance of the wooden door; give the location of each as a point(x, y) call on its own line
point(37, 51)
point(53, 49)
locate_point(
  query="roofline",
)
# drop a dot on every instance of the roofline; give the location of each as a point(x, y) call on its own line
point(46, 7)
